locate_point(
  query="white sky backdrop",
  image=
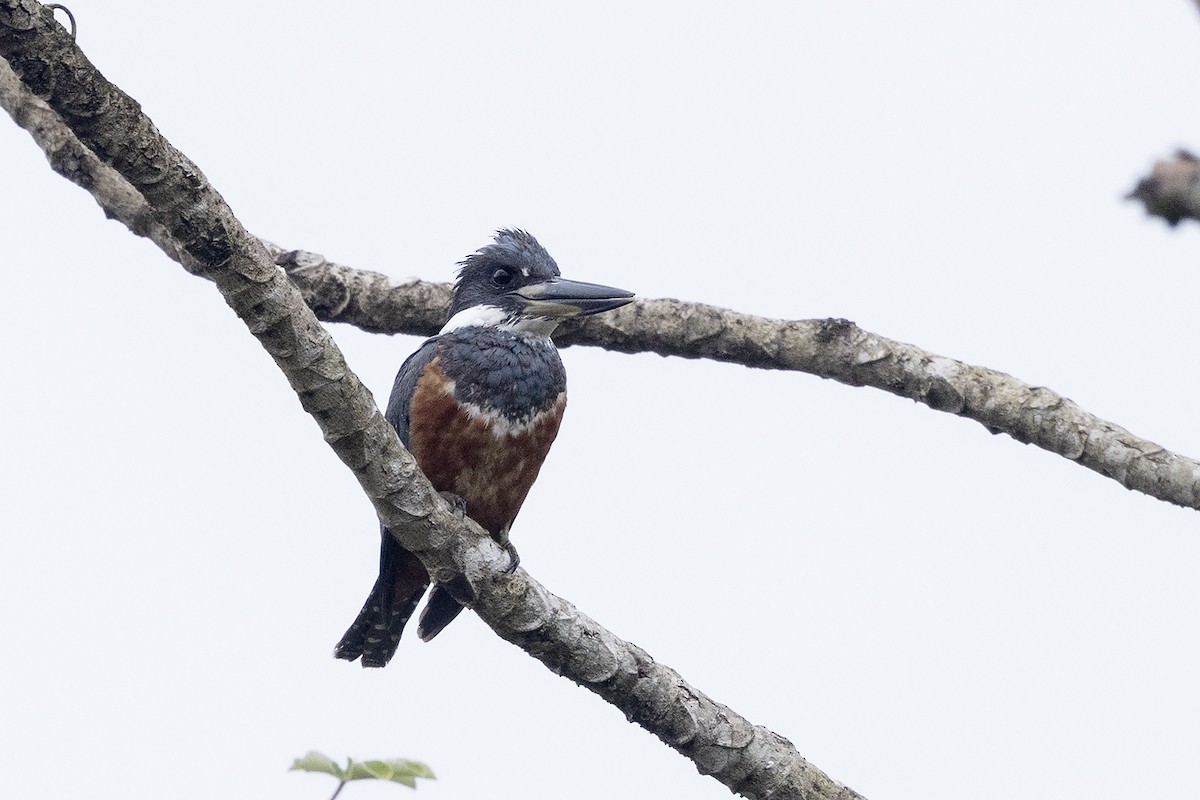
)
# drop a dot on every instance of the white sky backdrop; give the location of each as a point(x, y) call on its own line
point(925, 610)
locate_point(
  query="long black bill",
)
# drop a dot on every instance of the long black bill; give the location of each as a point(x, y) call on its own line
point(562, 299)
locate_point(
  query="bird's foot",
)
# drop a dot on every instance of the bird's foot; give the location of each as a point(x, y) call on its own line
point(514, 558)
point(456, 503)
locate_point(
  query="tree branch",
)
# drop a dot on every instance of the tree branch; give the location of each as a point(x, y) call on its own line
point(1172, 190)
point(830, 348)
point(835, 349)
point(193, 224)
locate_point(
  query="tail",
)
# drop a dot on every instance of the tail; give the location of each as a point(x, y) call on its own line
point(440, 610)
point(375, 635)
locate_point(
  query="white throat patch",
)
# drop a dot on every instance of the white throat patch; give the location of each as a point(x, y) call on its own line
point(476, 317)
point(494, 317)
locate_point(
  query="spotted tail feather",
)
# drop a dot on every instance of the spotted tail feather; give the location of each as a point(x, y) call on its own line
point(375, 634)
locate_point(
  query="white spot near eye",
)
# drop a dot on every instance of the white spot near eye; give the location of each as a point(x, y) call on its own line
point(525, 271)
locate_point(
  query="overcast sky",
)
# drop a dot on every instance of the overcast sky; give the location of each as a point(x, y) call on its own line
point(924, 609)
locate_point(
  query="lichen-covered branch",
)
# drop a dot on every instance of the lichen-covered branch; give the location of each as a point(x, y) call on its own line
point(834, 349)
point(830, 348)
point(1172, 190)
point(192, 222)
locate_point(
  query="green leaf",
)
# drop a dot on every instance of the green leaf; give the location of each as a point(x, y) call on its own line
point(369, 769)
point(318, 762)
point(397, 770)
point(413, 769)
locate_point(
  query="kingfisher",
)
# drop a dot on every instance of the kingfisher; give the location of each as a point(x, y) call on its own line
point(478, 406)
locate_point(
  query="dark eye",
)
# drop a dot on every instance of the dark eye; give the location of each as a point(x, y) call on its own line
point(502, 277)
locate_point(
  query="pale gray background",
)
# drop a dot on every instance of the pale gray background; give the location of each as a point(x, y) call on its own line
point(926, 610)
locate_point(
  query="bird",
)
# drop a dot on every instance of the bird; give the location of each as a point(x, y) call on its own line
point(478, 406)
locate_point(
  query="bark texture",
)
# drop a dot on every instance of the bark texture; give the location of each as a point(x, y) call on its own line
point(196, 227)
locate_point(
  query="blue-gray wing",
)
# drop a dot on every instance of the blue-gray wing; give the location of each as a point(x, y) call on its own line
point(402, 580)
point(405, 385)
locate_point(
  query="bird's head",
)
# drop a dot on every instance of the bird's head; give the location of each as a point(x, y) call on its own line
point(514, 284)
